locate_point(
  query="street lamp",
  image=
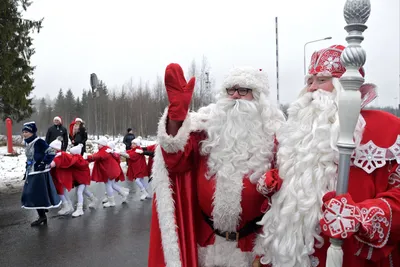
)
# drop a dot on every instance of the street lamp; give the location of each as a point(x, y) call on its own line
point(304, 53)
point(94, 83)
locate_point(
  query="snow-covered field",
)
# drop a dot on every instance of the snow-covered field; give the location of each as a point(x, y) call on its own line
point(12, 167)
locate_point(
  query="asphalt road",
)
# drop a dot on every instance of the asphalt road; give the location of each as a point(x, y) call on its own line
point(116, 236)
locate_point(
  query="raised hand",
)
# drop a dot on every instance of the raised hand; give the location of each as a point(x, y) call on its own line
point(179, 92)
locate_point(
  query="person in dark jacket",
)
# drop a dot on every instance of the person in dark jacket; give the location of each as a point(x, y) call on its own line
point(128, 139)
point(78, 134)
point(57, 130)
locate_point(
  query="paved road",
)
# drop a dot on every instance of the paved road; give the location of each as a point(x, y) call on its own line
point(117, 236)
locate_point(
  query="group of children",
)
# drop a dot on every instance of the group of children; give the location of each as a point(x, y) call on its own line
point(70, 170)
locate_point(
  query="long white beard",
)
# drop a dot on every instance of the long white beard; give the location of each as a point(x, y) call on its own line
point(307, 160)
point(238, 144)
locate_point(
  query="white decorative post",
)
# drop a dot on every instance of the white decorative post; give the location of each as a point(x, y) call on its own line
point(356, 13)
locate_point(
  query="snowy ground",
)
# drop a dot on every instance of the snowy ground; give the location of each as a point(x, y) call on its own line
point(12, 167)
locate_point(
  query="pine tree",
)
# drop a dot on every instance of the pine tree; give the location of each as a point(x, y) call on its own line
point(69, 105)
point(16, 81)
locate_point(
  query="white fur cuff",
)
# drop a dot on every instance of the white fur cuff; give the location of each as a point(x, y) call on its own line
point(173, 144)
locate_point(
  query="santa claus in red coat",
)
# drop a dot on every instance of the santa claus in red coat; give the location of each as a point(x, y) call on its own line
point(206, 168)
point(305, 212)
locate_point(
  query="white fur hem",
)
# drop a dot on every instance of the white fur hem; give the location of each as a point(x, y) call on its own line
point(224, 253)
point(173, 144)
point(165, 210)
point(258, 246)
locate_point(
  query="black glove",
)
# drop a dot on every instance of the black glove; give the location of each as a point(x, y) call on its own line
point(40, 166)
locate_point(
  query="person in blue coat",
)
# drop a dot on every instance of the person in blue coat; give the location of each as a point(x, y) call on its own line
point(39, 191)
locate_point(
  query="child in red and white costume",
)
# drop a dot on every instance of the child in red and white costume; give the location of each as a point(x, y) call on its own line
point(81, 179)
point(62, 176)
point(137, 167)
point(106, 170)
point(121, 178)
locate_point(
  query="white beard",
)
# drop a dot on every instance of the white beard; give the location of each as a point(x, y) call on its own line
point(239, 143)
point(307, 160)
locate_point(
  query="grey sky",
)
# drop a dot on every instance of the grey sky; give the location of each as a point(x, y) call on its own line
point(124, 39)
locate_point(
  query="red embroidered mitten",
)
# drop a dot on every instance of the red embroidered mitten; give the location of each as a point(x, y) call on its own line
point(179, 92)
point(370, 220)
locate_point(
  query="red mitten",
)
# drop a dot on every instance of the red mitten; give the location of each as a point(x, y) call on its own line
point(269, 183)
point(179, 92)
point(340, 216)
point(266, 205)
point(370, 219)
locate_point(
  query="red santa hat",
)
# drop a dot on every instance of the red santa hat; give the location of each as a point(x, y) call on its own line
point(78, 119)
point(247, 77)
point(56, 144)
point(326, 62)
point(102, 141)
point(57, 118)
point(76, 150)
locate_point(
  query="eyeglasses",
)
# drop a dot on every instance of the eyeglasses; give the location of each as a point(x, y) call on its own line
point(241, 91)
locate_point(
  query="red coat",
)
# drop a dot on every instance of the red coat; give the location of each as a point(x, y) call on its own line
point(137, 167)
point(80, 170)
point(62, 173)
point(179, 234)
point(105, 166)
point(121, 176)
point(380, 189)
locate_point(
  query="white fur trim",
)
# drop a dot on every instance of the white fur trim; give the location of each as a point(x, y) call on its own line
point(165, 210)
point(224, 253)
point(173, 144)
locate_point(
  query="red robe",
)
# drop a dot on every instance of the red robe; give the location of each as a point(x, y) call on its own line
point(137, 167)
point(62, 173)
point(378, 186)
point(105, 166)
point(179, 234)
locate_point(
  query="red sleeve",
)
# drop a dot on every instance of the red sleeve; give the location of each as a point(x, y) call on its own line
point(382, 215)
point(182, 161)
point(64, 160)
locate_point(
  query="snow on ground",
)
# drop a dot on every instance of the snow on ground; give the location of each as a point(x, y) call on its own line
point(12, 167)
point(12, 170)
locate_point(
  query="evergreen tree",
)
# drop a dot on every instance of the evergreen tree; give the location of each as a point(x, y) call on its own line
point(16, 81)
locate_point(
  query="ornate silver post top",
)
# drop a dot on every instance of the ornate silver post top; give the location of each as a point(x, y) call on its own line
point(356, 14)
point(357, 11)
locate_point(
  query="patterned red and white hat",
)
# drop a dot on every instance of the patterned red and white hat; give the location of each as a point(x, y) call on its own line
point(326, 62)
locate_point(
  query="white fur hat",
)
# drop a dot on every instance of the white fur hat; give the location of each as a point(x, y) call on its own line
point(78, 119)
point(111, 144)
point(247, 77)
point(102, 141)
point(76, 150)
point(136, 141)
point(56, 144)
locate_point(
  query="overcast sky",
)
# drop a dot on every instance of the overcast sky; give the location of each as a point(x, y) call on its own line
point(124, 39)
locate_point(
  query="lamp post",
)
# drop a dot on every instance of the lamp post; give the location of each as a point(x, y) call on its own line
point(304, 53)
point(94, 82)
